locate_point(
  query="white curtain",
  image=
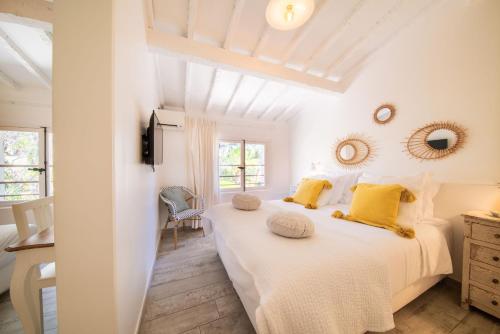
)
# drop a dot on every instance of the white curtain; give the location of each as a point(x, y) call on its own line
point(201, 159)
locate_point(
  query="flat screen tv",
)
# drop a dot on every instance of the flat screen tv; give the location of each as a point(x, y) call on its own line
point(152, 147)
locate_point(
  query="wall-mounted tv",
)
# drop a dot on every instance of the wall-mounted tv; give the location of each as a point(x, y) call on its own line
point(152, 142)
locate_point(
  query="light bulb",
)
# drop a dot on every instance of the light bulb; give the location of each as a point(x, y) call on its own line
point(288, 14)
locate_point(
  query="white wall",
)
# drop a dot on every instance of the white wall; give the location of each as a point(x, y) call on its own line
point(27, 107)
point(106, 206)
point(83, 166)
point(444, 67)
point(173, 170)
point(135, 185)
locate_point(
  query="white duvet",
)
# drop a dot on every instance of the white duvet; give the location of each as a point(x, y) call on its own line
point(341, 280)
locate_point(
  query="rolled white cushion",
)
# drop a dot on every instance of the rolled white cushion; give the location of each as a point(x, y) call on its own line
point(246, 202)
point(290, 224)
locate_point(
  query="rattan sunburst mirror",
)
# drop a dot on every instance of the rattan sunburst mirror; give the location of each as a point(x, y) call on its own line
point(384, 114)
point(436, 141)
point(352, 151)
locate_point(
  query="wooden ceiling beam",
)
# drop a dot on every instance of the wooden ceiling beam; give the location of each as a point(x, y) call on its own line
point(24, 59)
point(254, 99)
point(9, 81)
point(274, 103)
point(192, 18)
point(302, 34)
point(285, 112)
point(262, 40)
point(159, 81)
point(35, 13)
point(233, 23)
point(215, 78)
point(191, 27)
point(290, 115)
point(343, 56)
point(187, 86)
point(364, 58)
point(213, 56)
point(235, 91)
point(333, 37)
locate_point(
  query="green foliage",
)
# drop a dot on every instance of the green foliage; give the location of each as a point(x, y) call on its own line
point(19, 148)
point(230, 159)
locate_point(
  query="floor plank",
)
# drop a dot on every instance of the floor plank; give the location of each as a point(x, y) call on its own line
point(10, 324)
point(182, 321)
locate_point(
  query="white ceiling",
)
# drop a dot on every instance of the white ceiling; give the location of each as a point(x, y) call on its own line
point(25, 66)
point(335, 44)
point(35, 45)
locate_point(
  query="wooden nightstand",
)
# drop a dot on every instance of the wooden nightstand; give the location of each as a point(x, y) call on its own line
point(481, 262)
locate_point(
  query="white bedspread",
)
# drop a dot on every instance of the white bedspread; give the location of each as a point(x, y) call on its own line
point(339, 281)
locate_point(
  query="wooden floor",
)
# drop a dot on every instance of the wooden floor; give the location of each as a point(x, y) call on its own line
point(191, 294)
point(9, 324)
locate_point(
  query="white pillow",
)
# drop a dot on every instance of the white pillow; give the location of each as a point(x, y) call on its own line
point(431, 188)
point(338, 183)
point(326, 194)
point(348, 181)
point(332, 195)
point(409, 214)
point(290, 224)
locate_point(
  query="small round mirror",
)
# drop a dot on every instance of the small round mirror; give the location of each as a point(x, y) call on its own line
point(442, 139)
point(352, 151)
point(347, 152)
point(384, 114)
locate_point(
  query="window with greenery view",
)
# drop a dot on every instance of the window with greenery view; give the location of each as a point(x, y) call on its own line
point(21, 151)
point(242, 165)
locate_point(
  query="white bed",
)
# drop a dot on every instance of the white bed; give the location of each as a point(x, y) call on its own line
point(8, 236)
point(412, 266)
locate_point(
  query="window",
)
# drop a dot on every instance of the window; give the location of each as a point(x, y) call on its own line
point(241, 165)
point(22, 167)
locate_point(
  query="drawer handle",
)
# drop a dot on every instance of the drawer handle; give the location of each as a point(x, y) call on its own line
point(495, 258)
point(494, 302)
point(495, 280)
point(497, 235)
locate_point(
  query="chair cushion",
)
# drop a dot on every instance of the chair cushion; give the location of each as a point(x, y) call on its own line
point(290, 224)
point(189, 213)
point(176, 195)
point(246, 202)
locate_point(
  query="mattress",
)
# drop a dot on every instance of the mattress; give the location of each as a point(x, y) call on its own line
point(416, 263)
point(8, 236)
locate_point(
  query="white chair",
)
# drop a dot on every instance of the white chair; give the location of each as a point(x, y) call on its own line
point(25, 292)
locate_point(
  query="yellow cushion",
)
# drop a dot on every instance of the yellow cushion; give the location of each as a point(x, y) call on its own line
point(308, 192)
point(378, 205)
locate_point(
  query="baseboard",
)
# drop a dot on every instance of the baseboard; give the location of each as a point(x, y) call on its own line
point(148, 285)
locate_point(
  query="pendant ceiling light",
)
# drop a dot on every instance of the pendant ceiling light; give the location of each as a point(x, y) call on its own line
point(288, 14)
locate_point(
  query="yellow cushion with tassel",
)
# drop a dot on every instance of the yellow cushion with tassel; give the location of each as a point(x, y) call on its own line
point(308, 192)
point(378, 205)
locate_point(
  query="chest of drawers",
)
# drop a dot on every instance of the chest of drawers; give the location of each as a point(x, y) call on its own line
point(481, 262)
